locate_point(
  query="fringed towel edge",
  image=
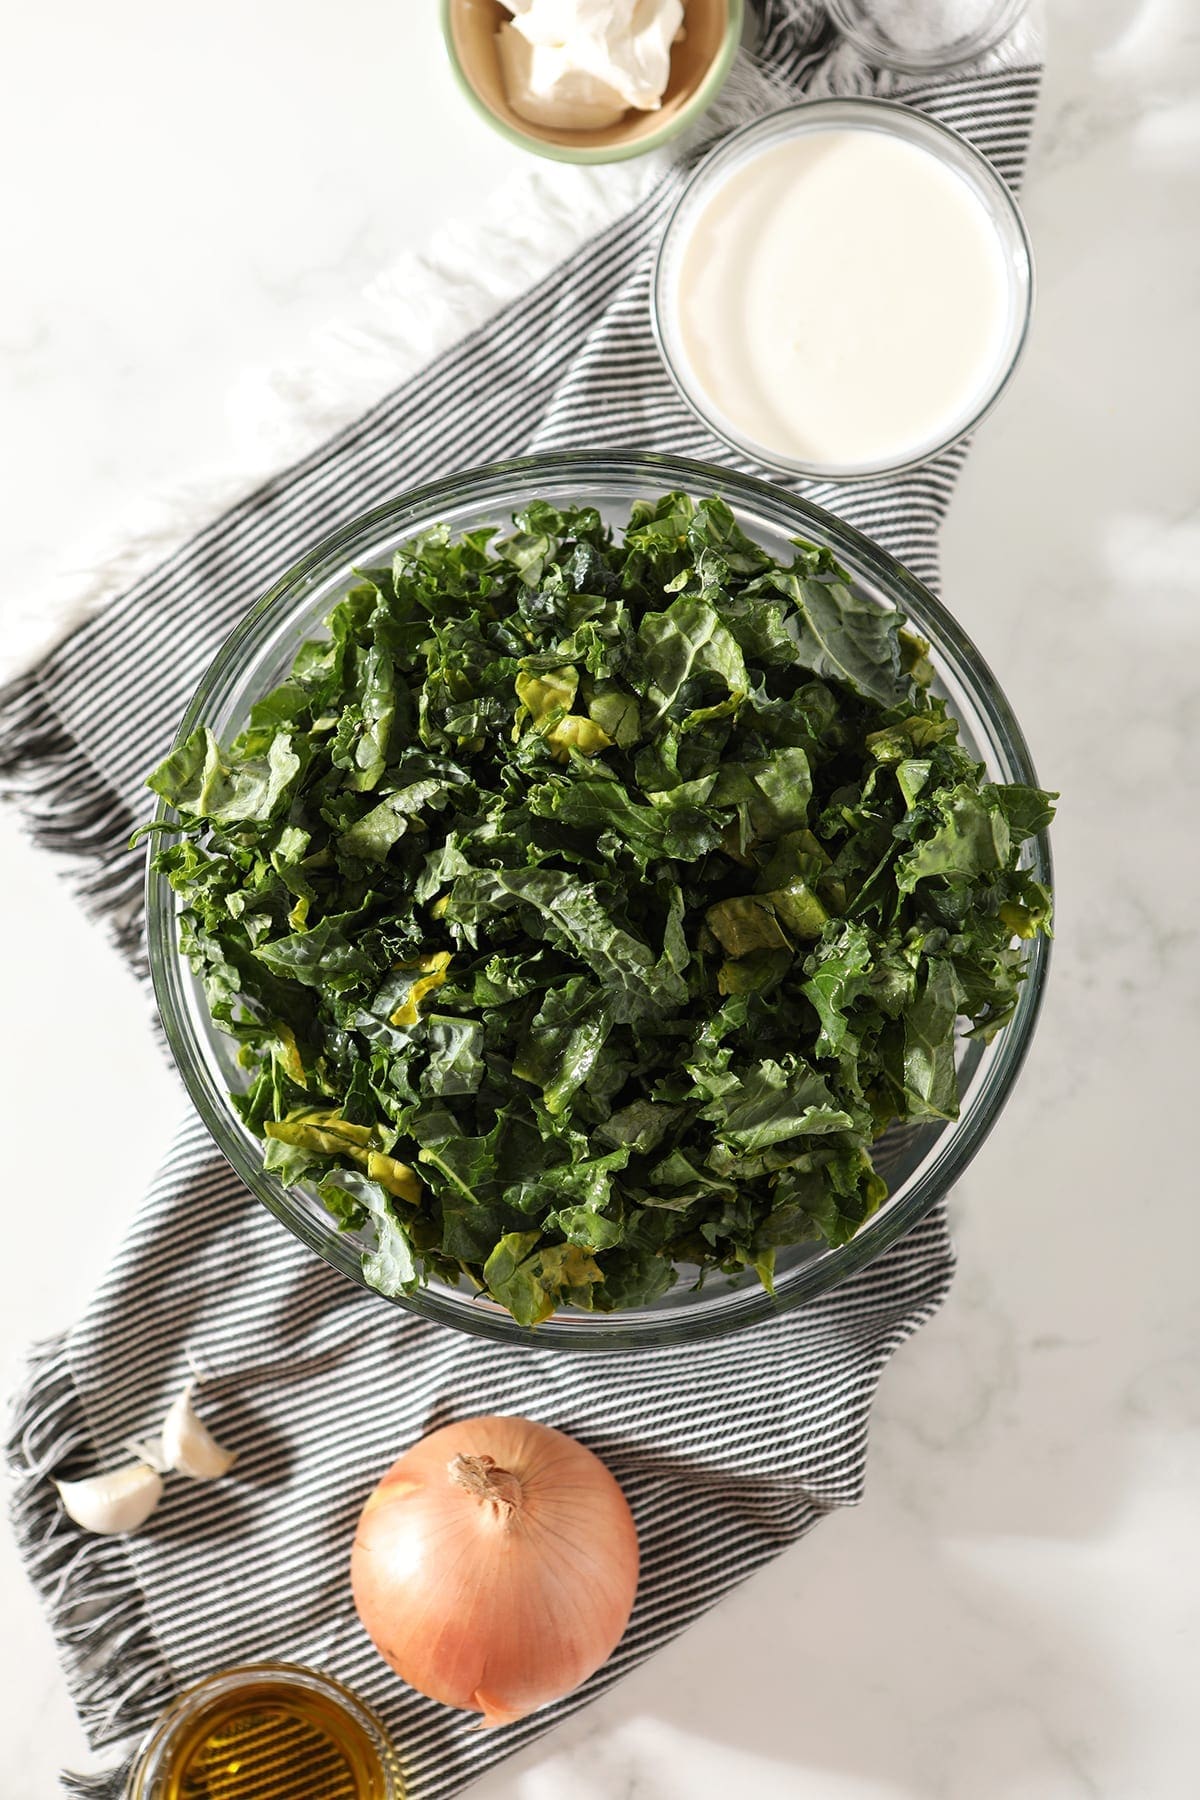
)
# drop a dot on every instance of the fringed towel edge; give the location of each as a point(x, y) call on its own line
point(415, 308)
point(110, 1784)
point(116, 1673)
point(68, 808)
point(418, 306)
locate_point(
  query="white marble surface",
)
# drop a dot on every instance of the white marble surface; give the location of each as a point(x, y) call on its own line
point(1014, 1612)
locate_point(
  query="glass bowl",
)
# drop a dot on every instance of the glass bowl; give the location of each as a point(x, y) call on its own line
point(920, 1163)
point(268, 1727)
point(743, 147)
point(920, 42)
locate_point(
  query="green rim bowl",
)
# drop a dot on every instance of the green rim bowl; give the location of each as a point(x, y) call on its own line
point(699, 65)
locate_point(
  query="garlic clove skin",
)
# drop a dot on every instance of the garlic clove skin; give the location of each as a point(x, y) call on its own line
point(118, 1501)
point(148, 1450)
point(189, 1446)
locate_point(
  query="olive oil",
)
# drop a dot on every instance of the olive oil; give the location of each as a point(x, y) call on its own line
point(267, 1732)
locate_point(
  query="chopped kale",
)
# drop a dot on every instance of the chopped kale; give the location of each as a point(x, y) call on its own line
point(584, 907)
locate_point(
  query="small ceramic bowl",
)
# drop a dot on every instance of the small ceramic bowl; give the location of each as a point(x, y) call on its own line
point(699, 65)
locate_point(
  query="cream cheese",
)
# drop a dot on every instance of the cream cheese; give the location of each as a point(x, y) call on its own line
point(579, 65)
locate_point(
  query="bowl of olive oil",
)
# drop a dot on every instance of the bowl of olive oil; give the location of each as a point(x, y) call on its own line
point(267, 1731)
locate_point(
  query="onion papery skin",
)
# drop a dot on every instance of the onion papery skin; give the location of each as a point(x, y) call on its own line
point(488, 1608)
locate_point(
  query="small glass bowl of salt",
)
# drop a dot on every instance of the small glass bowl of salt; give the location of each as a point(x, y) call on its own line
point(922, 35)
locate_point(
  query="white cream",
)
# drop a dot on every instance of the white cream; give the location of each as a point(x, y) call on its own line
point(842, 300)
point(579, 65)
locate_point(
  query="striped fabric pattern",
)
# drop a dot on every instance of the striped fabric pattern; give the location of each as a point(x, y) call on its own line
point(728, 1452)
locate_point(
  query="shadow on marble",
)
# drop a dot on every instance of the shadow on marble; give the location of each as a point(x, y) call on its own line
point(925, 1679)
point(895, 1668)
point(1033, 1406)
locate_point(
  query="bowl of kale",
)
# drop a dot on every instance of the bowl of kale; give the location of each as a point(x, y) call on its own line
point(599, 900)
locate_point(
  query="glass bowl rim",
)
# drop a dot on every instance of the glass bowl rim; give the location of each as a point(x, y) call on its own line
point(856, 30)
point(164, 1739)
point(907, 122)
point(412, 510)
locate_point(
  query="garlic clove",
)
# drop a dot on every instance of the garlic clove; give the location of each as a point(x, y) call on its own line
point(189, 1446)
point(120, 1500)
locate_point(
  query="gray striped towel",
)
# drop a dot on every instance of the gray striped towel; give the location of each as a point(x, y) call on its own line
point(728, 1452)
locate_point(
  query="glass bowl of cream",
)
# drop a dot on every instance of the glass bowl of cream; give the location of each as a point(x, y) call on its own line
point(843, 289)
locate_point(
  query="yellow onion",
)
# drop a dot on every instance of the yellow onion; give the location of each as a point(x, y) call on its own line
point(495, 1566)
